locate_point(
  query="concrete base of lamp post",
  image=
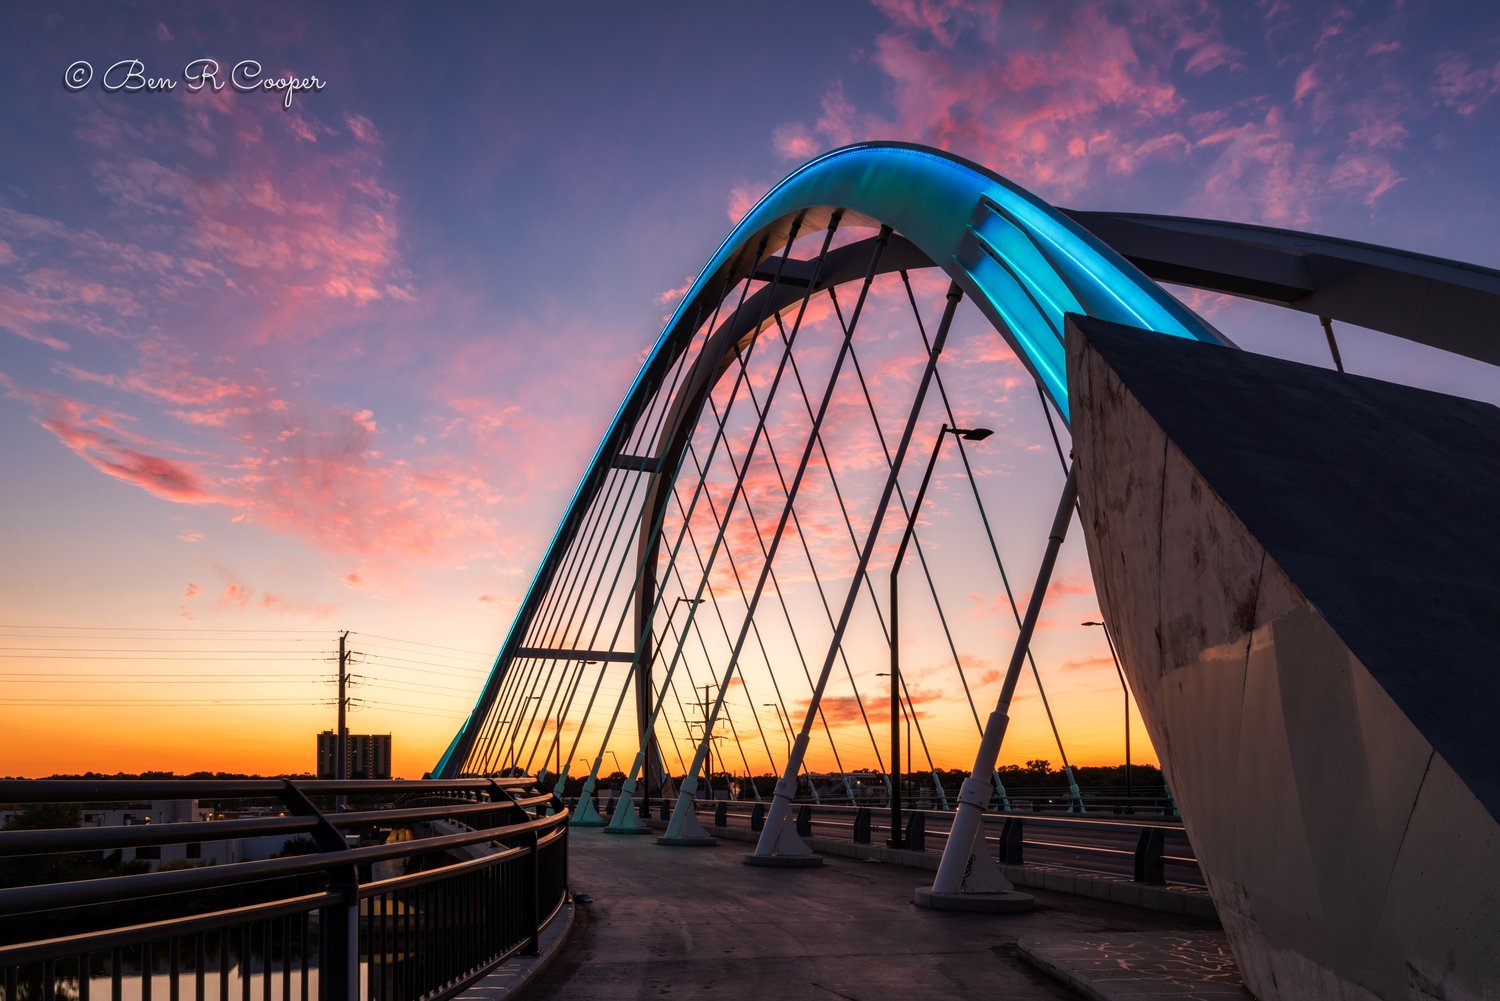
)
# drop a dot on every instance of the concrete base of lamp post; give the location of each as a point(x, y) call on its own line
point(784, 861)
point(1006, 902)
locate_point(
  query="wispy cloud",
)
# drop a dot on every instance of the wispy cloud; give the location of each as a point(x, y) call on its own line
point(1063, 99)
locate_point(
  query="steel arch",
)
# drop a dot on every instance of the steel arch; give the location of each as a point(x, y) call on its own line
point(1024, 264)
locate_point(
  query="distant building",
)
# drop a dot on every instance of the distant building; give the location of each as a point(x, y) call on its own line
point(159, 812)
point(369, 755)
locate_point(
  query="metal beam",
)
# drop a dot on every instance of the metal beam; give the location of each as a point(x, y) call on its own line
point(637, 463)
point(1429, 300)
point(543, 653)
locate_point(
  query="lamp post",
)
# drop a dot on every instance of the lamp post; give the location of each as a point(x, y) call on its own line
point(557, 732)
point(898, 839)
point(1129, 797)
point(907, 712)
point(649, 744)
point(515, 751)
point(503, 766)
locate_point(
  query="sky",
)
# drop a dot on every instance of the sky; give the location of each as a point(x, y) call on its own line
point(273, 371)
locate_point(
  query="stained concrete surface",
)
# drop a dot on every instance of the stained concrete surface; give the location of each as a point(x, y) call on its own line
point(1142, 966)
point(698, 923)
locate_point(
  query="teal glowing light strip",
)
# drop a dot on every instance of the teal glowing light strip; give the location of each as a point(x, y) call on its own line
point(1022, 262)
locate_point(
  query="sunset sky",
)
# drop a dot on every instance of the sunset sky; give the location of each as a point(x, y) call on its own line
point(270, 373)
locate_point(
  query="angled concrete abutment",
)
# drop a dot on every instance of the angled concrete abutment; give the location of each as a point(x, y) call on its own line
point(1301, 570)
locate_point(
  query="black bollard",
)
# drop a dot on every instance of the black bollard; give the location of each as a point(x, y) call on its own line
point(1149, 867)
point(916, 832)
point(1010, 842)
point(862, 826)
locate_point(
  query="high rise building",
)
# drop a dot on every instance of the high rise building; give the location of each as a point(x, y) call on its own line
point(368, 755)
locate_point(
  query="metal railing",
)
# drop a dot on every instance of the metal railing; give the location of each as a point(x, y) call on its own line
point(1150, 851)
point(403, 914)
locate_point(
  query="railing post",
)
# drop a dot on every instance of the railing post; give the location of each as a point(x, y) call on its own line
point(758, 817)
point(1011, 852)
point(804, 821)
point(1149, 866)
point(338, 949)
point(862, 826)
point(916, 832)
point(721, 814)
point(534, 912)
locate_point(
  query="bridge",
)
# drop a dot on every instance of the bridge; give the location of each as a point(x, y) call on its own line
point(722, 602)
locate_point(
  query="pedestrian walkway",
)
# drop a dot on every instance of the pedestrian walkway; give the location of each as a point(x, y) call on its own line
point(1142, 966)
point(698, 923)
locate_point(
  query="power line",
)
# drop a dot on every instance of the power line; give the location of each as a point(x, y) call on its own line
point(165, 702)
point(390, 639)
point(174, 629)
point(476, 672)
point(128, 679)
point(191, 657)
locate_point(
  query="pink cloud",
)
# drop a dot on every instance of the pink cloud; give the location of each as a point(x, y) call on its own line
point(742, 198)
point(236, 595)
point(362, 129)
point(1464, 86)
point(99, 437)
point(249, 253)
point(1063, 98)
point(671, 295)
point(1334, 26)
point(1306, 81)
point(839, 710)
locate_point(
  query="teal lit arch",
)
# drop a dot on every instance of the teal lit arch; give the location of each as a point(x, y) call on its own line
point(1022, 262)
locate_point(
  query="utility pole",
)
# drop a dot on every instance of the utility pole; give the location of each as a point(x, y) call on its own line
point(341, 758)
point(708, 737)
point(341, 764)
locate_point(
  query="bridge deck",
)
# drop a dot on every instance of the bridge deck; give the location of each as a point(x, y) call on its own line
point(699, 923)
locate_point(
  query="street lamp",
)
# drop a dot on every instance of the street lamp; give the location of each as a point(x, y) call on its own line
point(898, 839)
point(503, 765)
point(515, 751)
point(1124, 688)
point(557, 733)
point(907, 712)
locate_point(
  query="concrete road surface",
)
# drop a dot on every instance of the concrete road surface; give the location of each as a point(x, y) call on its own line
point(698, 923)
